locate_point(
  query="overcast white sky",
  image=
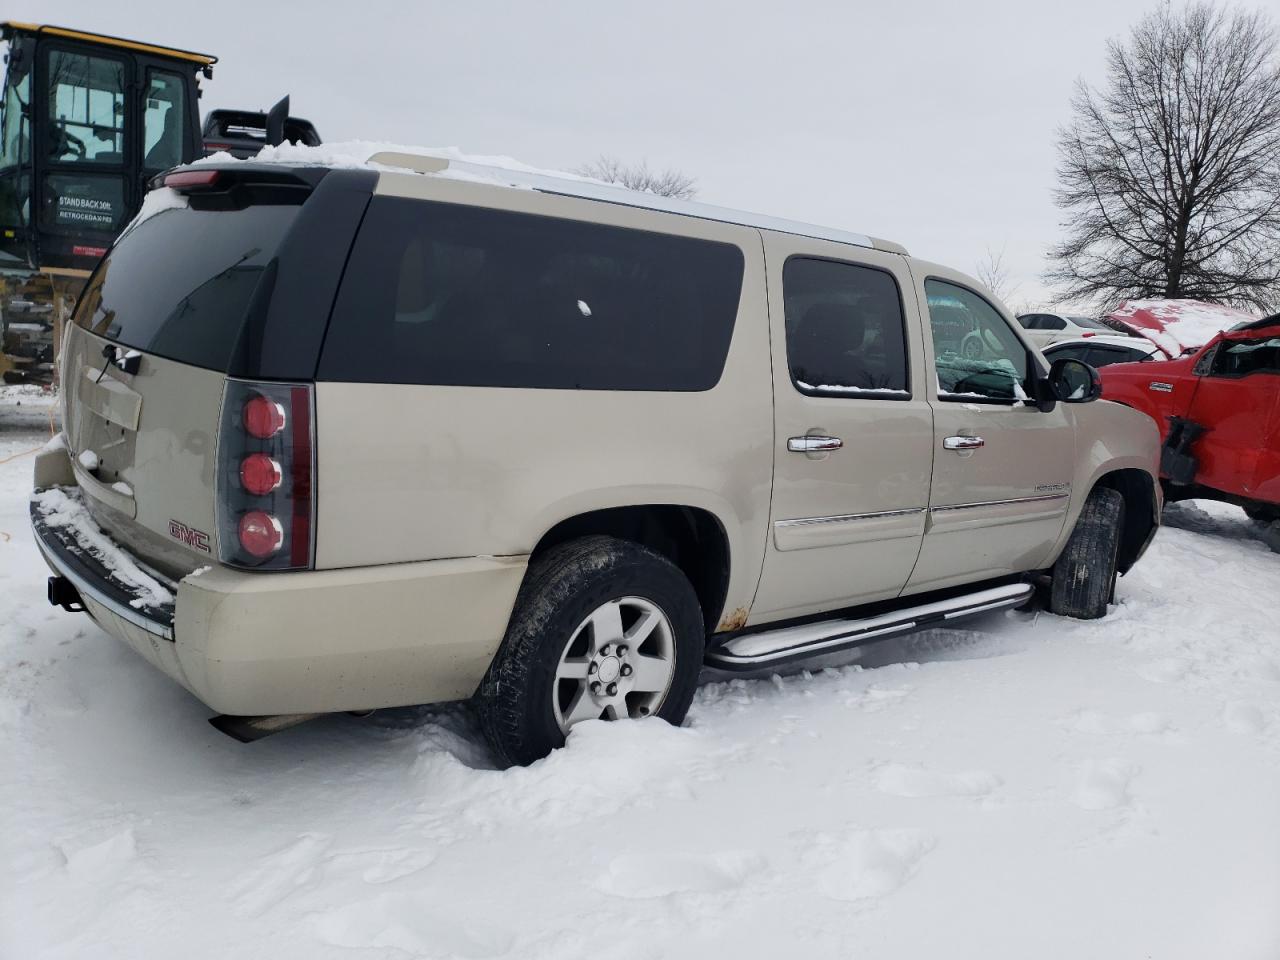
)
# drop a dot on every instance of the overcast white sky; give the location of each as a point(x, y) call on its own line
point(930, 123)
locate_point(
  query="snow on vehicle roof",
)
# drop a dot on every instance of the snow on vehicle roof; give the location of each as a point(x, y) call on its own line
point(1177, 326)
point(452, 163)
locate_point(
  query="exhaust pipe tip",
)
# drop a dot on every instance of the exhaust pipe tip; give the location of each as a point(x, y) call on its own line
point(250, 729)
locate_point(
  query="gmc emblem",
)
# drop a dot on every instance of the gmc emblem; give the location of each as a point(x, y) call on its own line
point(192, 537)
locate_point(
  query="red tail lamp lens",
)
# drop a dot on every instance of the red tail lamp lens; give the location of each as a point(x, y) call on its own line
point(259, 474)
point(263, 417)
point(260, 533)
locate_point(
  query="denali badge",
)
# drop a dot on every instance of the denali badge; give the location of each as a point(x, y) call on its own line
point(1052, 487)
point(192, 537)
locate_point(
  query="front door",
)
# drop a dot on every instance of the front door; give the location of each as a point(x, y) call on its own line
point(853, 428)
point(1238, 401)
point(1002, 468)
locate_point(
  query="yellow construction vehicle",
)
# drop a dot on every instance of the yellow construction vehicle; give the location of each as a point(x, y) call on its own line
point(87, 120)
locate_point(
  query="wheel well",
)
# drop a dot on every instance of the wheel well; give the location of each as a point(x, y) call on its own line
point(691, 538)
point(1138, 490)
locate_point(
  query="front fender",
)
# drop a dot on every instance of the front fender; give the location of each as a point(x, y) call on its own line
point(1110, 437)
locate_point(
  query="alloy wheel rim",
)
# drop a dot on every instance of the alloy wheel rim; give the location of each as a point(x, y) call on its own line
point(617, 664)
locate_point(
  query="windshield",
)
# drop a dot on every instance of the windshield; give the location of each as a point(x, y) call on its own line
point(179, 283)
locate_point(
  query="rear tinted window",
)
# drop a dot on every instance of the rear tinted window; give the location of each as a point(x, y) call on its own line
point(1072, 352)
point(456, 295)
point(180, 283)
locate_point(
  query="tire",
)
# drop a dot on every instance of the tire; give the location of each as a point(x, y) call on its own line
point(1084, 577)
point(1271, 535)
point(565, 604)
point(1263, 516)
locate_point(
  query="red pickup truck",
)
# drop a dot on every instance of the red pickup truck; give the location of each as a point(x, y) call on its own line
point(1218, 408)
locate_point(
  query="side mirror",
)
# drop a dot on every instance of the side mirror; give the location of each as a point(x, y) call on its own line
point(1074, 381)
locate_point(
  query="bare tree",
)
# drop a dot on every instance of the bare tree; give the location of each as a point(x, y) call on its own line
point(1170, 174)
point(668, 183)
point(994, 275)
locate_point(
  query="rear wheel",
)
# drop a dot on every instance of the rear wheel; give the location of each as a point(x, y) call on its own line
point(1084, 577)
point(603, 629)
point(1271, 535)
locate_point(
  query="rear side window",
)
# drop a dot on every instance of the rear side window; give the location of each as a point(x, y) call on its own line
point(449, 294)
point(1072, 352)
point(844, 330)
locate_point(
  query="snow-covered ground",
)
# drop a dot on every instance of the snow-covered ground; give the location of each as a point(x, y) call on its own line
point(1023, 787)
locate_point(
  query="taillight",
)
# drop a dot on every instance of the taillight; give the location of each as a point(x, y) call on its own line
point(260, 474)
point(266, 468)
point(260, 533)
point(263, 417)
point(1087, 333)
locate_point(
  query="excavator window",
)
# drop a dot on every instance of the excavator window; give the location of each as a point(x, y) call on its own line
point(86, 108)
point(15, 144)
point(164, 123)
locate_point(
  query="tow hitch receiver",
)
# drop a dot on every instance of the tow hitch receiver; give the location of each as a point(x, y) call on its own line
point(63, 593)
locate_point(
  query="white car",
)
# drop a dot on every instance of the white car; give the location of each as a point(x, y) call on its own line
point(1046, 328)
point(1103, 351)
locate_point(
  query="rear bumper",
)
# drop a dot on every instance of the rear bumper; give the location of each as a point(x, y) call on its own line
point(308, 642)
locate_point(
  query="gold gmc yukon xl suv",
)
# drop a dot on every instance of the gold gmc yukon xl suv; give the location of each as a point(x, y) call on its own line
point(338, 439)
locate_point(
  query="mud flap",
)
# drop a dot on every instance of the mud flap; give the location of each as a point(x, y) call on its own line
point(1177, 463)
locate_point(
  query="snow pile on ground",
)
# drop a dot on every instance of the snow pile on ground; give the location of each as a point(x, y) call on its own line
point(1176, 326)
point(1025, 786)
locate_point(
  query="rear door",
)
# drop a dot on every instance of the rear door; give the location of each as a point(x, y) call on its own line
point(853, 428)
point(1002, 469)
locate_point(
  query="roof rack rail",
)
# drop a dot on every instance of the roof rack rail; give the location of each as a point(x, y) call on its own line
point(571, 186)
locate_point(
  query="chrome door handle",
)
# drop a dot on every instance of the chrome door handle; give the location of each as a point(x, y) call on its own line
point(963, 443)
point(813, 444)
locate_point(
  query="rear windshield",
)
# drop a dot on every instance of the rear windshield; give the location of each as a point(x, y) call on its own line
point(1089, 323)
point(440, 293)
point(179, 283)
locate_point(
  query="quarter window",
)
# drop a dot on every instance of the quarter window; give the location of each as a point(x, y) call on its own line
point(439, 293)
point(976, 354)
point(845, 330)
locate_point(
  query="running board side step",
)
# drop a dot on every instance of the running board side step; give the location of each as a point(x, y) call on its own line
point(753, 651)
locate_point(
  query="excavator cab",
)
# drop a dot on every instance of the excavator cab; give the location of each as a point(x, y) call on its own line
point(86, 121)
